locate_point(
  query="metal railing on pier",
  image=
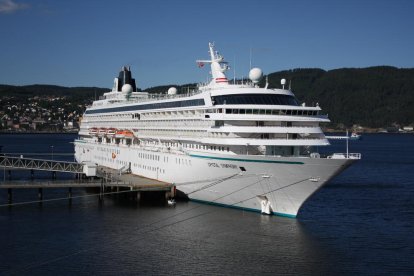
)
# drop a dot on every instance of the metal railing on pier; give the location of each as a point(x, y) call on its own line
point(39, 164)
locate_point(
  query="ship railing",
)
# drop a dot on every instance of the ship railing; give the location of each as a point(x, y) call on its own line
point(159, 97)
point(240, 84)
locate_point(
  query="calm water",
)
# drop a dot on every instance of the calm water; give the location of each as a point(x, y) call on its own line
point(362, 222)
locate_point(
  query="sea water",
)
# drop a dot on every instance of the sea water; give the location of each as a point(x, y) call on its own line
point(361, 222)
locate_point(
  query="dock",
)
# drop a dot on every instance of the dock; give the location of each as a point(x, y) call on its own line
point(105, 179)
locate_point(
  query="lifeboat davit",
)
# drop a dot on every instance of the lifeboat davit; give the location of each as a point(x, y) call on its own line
point(93, 131)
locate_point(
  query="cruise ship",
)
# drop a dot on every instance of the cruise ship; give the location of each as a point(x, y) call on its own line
point(223, 142)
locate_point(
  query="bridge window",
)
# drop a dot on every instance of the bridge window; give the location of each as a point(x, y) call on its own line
point(256, 99)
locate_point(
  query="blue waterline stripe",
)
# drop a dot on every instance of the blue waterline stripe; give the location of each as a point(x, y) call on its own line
point(240, 208)
point(247, 160)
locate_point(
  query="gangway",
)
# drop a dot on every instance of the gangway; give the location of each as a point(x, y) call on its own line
point(40, 164)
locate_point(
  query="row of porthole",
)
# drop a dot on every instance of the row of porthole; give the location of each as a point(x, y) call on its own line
point(149, 156)
point(104, 159)
point(150, 168)
point(183, 161)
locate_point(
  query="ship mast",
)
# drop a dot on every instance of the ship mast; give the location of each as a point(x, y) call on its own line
point(218, 66)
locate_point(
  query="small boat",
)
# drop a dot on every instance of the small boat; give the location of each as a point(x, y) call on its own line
point(355, 136)
point(93, 131)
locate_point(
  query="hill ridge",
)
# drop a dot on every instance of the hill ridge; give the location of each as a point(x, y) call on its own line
point(375, 96)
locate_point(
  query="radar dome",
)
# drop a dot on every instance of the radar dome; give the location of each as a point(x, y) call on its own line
point(127, 88)
point(283, 81)
point(172, 91)
point(255, 75)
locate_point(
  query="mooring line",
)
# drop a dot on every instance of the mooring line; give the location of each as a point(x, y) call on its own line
point(34, 265)
point(74, 197)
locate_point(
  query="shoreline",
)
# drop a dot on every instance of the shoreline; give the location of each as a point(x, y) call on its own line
point(76, 132)
point(37, 132)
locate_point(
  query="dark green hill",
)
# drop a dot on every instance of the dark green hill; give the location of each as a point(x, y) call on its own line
point(372, 97)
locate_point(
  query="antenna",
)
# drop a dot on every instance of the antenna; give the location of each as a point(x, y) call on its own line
point(234, 70)
point(250, 58)
point(290, 84)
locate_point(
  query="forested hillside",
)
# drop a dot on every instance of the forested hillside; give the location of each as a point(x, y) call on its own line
point(372, 97)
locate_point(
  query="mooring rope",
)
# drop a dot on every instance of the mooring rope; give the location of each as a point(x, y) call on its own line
point(37, 264)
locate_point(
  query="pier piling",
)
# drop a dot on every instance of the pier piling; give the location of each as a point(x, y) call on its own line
point(137, 186)
point(40, 194)
point(9, 195)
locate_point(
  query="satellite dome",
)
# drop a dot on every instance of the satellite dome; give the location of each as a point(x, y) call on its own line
point(255, 75)
point(172, 91)
point(127, 88)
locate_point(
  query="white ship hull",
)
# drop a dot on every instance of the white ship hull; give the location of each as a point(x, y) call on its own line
point(233, 144)
point(240, 181)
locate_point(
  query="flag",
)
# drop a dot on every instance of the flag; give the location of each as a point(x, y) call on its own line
point(200, 64)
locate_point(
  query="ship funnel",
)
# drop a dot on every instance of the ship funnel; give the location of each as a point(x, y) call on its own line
point(125, 78)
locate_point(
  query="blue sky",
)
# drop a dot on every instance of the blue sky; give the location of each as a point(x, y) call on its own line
point(84, 43)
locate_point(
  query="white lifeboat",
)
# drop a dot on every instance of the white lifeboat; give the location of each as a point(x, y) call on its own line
point(102, 131)
point(93, 131)
point(111, 131)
